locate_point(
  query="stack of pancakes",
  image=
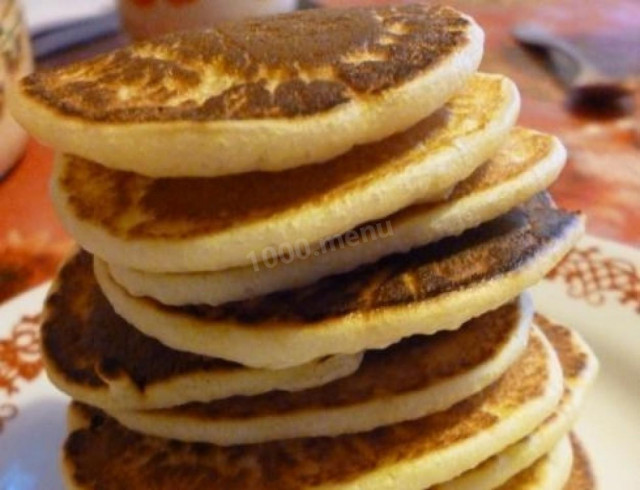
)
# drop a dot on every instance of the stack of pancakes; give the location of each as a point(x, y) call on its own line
point(307, 241)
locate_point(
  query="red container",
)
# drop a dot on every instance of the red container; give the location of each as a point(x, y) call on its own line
point(147, 18)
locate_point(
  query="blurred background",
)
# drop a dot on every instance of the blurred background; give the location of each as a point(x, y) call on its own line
point(577, 63)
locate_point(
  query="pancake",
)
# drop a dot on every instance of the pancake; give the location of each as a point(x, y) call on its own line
point(580, 367)
point(433, 288)
point(582, 476)
point(200, 224)
point(409, 380)
point(526, 164)
point(551, 472)
point(95, 356)
point(410, 456)
point(261, 94)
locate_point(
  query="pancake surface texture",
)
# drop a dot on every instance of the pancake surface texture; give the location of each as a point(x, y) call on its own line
point(409, 380)
point(258, 94)
point(411, 455)
point(579, 366)
point(433, 288)
point(96, 357)
point(582, 477)
point(200, 224)
point(525, 165)
point(551, 472)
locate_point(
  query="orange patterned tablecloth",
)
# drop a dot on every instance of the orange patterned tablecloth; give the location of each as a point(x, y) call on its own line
point(602, 177)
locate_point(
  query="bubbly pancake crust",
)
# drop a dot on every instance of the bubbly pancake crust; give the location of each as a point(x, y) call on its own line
point(232, 99)
point(318, 60)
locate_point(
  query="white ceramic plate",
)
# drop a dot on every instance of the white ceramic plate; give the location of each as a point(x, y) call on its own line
point(596, 290)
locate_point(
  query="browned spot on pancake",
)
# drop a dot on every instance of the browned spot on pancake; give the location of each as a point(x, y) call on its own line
point(522, 152)
point(318, 60)
point(88, 342)
point(519, 154)
point(573, 360)
point(531, 367)
point(412, 365)
point(107, 456)
point(582, 476)
point(487, 252)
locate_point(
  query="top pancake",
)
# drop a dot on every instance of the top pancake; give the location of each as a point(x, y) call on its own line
point(257, 94)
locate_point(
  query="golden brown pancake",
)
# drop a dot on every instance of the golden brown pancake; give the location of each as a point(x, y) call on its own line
point(551, 472)
point(433, 288)
point(100, 453)
point(412, 379)
point(260, 94)
point(580, 367)
point(203, 224)
point(526, 164)
point(95, 356)
point(582, 476)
